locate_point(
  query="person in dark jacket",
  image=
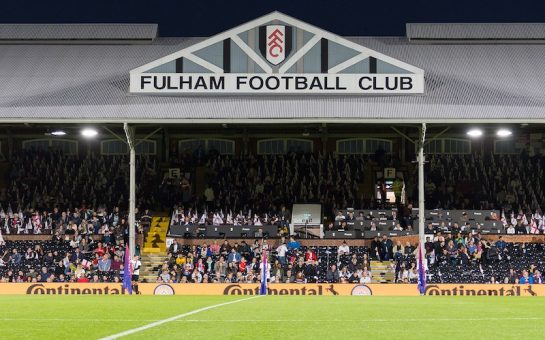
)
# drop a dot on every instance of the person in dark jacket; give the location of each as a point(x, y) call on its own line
point(332, 275)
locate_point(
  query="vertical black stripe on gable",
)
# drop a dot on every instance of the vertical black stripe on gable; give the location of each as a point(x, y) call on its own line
point(372, 65)
point(227, 55)
point(324, 55)
point(180, 65)
point(263, 40)
point(288, 40)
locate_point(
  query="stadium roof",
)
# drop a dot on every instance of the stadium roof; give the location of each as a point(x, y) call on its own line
point(81, 82)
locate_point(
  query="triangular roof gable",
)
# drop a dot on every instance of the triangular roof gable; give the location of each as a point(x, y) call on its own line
point(360, 54)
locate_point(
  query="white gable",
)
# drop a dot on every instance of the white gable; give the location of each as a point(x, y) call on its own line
point(277, 54)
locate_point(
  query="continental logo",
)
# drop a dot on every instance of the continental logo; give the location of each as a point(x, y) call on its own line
point(66, 289)
point(484, 290)
point(236, 289)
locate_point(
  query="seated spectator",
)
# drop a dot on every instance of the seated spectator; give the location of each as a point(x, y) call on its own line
point(332, 275)
point(526, 278)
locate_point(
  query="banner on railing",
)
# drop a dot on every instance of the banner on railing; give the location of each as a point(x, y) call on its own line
point(273, 289)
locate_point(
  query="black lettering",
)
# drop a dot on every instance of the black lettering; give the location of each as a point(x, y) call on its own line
point(316, 83)
point(201, 83)
point(406, 83)
point(252, 83)
point(287, 79)
point(360, 83)
point(300, 83)
point(375, 85)
point(144, 80)
point(169, 86)
point(338, 84)
point(188, 82)
point(241, 81)
point(159, 85)
point(391, 86)
point(275, 85)
point(217, 83)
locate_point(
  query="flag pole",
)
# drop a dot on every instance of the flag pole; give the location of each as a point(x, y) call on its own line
point(421, 212)
point(263, 286)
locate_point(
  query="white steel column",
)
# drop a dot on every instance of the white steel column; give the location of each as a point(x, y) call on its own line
point(129, 132)
point(421, 198)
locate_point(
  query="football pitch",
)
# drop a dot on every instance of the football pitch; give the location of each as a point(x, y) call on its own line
point(270, 317)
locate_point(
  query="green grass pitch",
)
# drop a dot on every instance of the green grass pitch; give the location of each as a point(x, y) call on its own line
point(273, 317)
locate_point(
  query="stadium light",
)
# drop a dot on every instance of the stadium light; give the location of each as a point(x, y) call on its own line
point(504, 133)
point(58, 133)
point(475, 133)
point(89, 133)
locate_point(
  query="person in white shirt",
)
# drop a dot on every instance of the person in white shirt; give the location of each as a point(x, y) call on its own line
point(136, 264)
point(343, 249)
point(281, 252)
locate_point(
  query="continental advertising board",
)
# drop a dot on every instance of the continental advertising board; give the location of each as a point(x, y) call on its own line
point(274, 289)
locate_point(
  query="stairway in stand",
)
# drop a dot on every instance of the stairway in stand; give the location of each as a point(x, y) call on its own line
point(382, 272)
point(154, 251)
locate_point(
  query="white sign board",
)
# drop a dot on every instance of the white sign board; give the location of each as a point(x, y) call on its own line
point(268, 56)
point(232, 83)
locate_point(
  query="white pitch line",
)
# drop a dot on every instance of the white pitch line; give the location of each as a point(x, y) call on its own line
point(276, 320)
point(371, 320)
point(174, 318)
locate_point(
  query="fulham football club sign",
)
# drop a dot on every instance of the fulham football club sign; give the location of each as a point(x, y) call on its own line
point(277, 54)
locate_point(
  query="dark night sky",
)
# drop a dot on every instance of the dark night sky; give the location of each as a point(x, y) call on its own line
point(208, 17)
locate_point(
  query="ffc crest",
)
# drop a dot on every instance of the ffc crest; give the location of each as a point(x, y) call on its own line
point(275, 42)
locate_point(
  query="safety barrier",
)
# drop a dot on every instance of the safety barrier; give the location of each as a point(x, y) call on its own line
point(274, 289)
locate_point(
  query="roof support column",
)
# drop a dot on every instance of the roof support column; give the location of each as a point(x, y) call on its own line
point(129, 133)
point(421, 198)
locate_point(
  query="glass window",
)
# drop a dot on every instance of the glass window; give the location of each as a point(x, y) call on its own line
point(118, 147)
point(283, 146)
point(505, 147)
point(114, 147)
point(298, 145)
point(36, 144)
point(456, 146)
point(222, 146)
point(435, 146)
point(358, 146)
point(145, 147)
point(372, 145)
point(66, 146)
point(350, 146)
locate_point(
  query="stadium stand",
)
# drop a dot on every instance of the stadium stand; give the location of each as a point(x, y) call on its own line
point(451, 259)
point(76, 201)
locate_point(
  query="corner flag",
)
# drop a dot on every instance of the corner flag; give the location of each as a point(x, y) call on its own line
point(127, 271)
point(263, 287)
point(421, 271)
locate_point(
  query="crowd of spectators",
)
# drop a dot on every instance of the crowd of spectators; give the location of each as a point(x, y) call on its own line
point(288, 262)
point(471, 258)
point(62, 259)
point(509, 182)
point(262, 184)
point(42, 180)
point(74, 223)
